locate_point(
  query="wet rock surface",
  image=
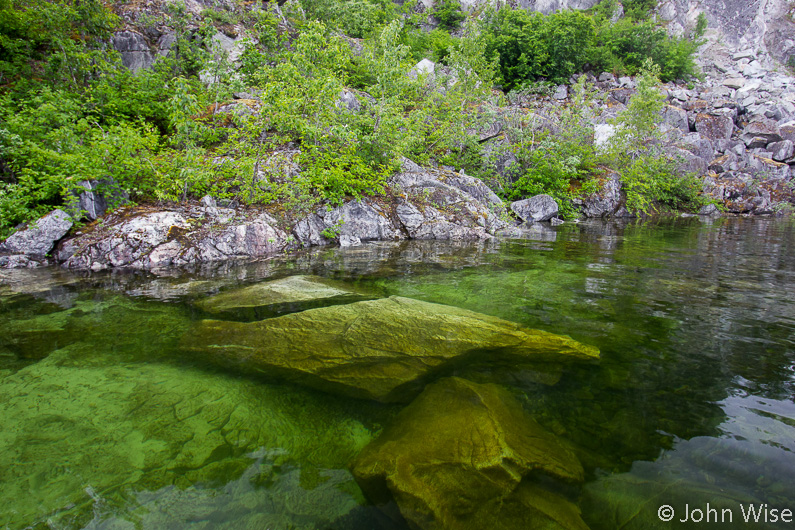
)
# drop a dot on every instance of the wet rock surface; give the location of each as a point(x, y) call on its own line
point(271, 298)
point(382, 349)
point(464, 456)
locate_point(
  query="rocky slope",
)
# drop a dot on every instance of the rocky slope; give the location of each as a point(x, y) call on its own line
point(735, 128)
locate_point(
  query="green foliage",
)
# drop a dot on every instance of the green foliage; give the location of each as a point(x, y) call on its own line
point(58, 41)
point(532, 46)
point(448, 13)
point(434, 44)
point(623, 47)
point(651, 182)
point(356, 18)
point(636, 126)
point(560, 163)
point(701, 26)
point(341, 173)
point(649, 177)
point(638, 9)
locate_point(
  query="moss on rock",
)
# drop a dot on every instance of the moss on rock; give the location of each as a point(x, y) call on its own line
point(464, 456)
point(272, 298)
point(383, 349)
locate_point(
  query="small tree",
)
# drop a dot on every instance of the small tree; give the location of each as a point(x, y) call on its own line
point(637, 125)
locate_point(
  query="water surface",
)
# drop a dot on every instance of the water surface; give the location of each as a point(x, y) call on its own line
point(107, 424)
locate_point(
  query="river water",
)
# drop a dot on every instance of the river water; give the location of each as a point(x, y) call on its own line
point(107, 424)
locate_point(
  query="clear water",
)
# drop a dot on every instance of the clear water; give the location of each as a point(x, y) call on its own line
point(106, 424)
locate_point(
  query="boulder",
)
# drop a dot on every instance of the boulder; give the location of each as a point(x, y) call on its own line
point(699, 145)
point(39, 237)
point(135, 52)
point(787, 131)
point(95, 199)
point(538, 208)
point(676, 118)
point(761, 130)
point(267, 299)
point(459, 457)
point(381, 349)
point(440, 204)
point(361, 219)
point(429, 222)
point(348, 100)
point(726, 162)
point(714, 127)
point(782, 151)
point(425, 67)
point(607, 201)
point(734, 82)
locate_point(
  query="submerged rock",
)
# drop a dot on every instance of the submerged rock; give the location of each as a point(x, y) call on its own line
point(382, 349)
point(287, 295)
point(104, 433)
point(460, 456)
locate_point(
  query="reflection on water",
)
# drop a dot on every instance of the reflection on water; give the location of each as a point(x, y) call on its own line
point(106, 424)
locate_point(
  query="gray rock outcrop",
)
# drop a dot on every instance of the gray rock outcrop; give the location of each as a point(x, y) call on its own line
point(535, 209)
point(169, 238)
point(39, 237)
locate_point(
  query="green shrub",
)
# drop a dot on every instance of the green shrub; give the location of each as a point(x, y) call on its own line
point(355, 18)
point(531, 46)
point(623, 47)
point(448, 13)
point(650, 178)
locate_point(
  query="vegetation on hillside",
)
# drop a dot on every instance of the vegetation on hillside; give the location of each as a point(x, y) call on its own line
point(70, 111)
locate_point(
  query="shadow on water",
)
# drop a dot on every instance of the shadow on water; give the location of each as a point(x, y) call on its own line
point(692, 402)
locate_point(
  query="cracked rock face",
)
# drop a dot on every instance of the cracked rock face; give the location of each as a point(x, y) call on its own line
point(457, 457)
point(171, 238)
point(382, 349)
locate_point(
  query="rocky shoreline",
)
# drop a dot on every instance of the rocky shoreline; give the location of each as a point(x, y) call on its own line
point(735, 129)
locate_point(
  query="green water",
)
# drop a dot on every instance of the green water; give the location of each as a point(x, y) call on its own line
point(106, 424)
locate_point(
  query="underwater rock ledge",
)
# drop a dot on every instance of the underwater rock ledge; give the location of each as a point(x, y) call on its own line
point(465, 456)
point(384, 349)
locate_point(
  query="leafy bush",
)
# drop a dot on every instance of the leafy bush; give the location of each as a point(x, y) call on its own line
point(530, 46)
point(448, 13)
point(649, 177)
point(623, 47)
point(356, 18)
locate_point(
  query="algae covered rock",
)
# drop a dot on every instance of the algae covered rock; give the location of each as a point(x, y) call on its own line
point(464, 456)
point(171, 442)
point(287, 295)
point(383, 349)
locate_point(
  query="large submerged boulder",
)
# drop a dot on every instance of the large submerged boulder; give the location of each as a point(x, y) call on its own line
point(466, 456)
point(383, 349)
point(287, 295)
